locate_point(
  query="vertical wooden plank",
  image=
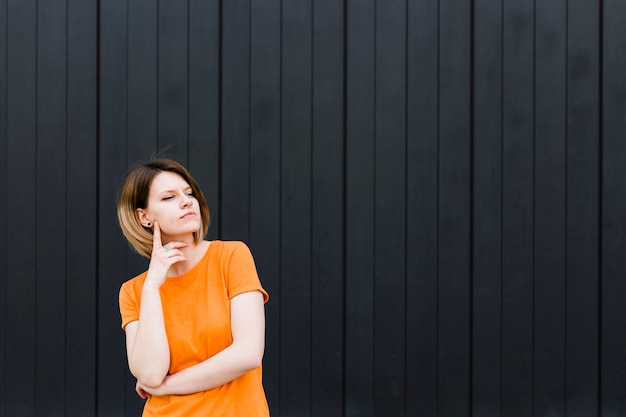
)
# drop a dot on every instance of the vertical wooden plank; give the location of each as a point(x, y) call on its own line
point(550, 214)
point(454, 221)
point(21, 231)
point(487, 209)
point(265, 178)
point(295, 377)
point(3, 198)
point(327, 210)
point(142, 80)
point(173, 81)
point(613, 232)
point(204, 104)
point(81, 206)
point(421, 201)
point(517, 208)
point(390, 210)
point(235, 137)
point(112, 368)
point(359, 252)
point(50, 208)
point(583, 207)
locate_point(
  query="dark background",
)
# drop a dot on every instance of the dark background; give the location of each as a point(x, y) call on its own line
point(434, 192)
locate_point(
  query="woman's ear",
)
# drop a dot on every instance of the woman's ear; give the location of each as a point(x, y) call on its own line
point(141, 216)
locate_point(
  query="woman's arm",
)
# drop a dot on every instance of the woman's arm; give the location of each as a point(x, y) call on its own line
point(243, 355)
point(146, 339)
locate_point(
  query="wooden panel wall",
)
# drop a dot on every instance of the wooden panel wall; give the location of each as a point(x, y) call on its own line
point(49, 216)
point(433, 191)
point(612, 216)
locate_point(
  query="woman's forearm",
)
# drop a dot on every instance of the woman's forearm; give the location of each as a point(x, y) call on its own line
point(218, 370)
point(149, 357)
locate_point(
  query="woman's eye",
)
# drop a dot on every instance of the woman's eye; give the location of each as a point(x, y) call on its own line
point(169, 197)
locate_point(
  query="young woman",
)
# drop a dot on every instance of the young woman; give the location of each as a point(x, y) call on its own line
point(194, 321)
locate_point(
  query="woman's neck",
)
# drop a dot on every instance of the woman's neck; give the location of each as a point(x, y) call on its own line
point(194, 252)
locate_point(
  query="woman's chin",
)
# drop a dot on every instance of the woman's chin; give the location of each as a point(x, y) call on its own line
point(181, 234)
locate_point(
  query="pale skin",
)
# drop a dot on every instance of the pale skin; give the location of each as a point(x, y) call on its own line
point(174, 213)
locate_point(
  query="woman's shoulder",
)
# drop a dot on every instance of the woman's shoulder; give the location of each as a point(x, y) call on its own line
point(228, 245)
point(136, 280)
point(133, 286)
point(229, 249)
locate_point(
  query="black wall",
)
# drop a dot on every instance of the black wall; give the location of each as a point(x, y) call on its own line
point(434, 192)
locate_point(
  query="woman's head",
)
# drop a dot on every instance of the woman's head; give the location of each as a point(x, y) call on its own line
point(135, 213)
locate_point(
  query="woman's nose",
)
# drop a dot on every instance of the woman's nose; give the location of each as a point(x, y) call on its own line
point(186, 201)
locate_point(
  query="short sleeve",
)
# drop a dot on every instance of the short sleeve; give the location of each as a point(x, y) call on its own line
point(242, 274)
point(129, 304)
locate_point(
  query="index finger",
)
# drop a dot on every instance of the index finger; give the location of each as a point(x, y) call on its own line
point(156, 238)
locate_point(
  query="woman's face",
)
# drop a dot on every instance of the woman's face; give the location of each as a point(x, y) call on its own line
point(171, 202)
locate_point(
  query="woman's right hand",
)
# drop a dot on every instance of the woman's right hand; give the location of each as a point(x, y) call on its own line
point(162, 258)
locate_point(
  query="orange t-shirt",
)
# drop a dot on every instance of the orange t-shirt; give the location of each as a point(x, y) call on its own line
point(196, 309)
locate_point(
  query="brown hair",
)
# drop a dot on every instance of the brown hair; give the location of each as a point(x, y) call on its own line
point(134, 194)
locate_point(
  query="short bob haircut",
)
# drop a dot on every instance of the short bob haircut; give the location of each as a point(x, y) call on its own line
point(134, 195)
